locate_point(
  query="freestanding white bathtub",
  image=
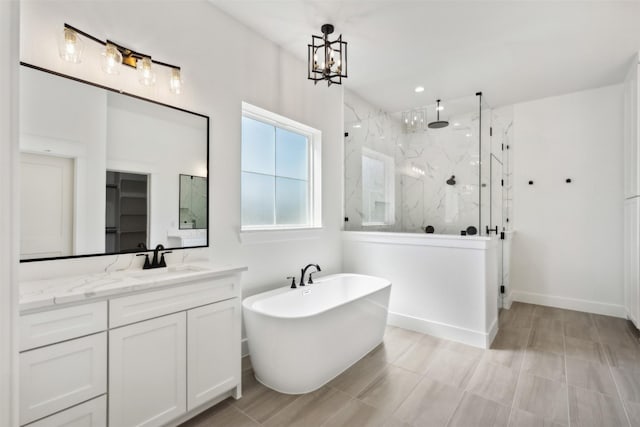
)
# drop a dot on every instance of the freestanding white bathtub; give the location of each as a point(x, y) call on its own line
point(300, 339)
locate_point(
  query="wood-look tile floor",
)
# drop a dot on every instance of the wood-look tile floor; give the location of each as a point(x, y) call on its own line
point(546, 367)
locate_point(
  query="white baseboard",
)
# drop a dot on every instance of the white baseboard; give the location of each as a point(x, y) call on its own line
point(507, 300)
point(244, 347)
point(570, 303)
point(446, 331)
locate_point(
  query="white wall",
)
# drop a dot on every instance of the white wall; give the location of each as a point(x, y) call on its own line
point(567, 250)
point(224, 63)
point(9, 220)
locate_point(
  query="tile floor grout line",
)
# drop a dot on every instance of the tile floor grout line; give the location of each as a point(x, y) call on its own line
point(613, 377)
point(336, 413)
point(283, 408)
point(246, 415)
point(513, 404)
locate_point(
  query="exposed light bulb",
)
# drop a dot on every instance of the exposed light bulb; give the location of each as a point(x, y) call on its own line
point(439, 108)
point(146, 75)
point(111, 59)
point(70, 46)
point(175, 81)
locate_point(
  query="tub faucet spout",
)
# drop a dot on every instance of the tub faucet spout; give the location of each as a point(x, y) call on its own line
point(304, 271)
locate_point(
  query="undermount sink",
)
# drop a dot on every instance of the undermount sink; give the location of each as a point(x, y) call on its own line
point(166, 272)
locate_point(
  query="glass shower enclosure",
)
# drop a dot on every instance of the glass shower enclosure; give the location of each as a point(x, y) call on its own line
point(401, 175)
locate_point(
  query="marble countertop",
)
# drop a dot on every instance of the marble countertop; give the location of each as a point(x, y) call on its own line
point(38, 294)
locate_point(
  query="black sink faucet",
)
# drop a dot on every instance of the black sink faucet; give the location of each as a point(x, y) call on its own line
point(156, 262)
point(304, 270)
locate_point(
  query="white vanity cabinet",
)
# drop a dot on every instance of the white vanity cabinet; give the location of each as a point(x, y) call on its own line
point(150, 357)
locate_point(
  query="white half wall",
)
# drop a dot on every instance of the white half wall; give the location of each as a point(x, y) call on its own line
point(441, 285)
point(9, 219)
point(567, 249)
point(224, 63)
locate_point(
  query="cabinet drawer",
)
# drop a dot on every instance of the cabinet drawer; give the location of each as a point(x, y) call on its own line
point(89, 414)
point(40, 329)
point(135, 308)
point(58, 376)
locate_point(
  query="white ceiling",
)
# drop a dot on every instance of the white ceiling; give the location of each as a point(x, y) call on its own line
point(512, 51)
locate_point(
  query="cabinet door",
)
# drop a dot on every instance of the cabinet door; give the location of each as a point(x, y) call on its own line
point(147, 372)
point(632, 259)
point(89, 414)
point(61, 375)
point(213, 348)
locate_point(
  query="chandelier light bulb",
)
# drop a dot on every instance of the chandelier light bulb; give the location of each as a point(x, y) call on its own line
point(70, 46)
point(111, 59)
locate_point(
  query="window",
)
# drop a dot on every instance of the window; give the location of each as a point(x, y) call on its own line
point(378, 189)
point(280, 172)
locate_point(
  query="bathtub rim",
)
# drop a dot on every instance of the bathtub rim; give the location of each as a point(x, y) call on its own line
point(248, 301)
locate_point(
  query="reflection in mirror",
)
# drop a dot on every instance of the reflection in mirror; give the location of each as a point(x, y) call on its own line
point(127, 201)
point(193, 202)
point(99, 168)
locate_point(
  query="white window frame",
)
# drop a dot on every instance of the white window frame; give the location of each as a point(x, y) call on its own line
point(314, 137)
point(389, 187)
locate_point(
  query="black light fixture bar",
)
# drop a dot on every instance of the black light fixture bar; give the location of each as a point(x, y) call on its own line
point(129, 56)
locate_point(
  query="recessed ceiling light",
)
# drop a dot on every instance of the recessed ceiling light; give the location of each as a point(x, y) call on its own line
point(468, 135)
point(419, 89)
point(456, 124)
point(357, 126)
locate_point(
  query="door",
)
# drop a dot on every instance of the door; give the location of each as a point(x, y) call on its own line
point(46, 199)
point(147, 372)
point(631, 259)
point(213, 348)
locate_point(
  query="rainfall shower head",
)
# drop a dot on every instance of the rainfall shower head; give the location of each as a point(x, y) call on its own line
point(438, 124)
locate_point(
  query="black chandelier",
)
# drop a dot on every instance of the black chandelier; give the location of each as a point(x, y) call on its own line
point(327, 60)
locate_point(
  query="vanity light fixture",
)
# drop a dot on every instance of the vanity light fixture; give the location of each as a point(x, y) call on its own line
point(327, 60)
point(175, 81)
point(70, 47)
point(111, 59)
point(146, 74)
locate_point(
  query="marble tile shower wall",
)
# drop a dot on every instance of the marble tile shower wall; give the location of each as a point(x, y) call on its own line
point(441, 154)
